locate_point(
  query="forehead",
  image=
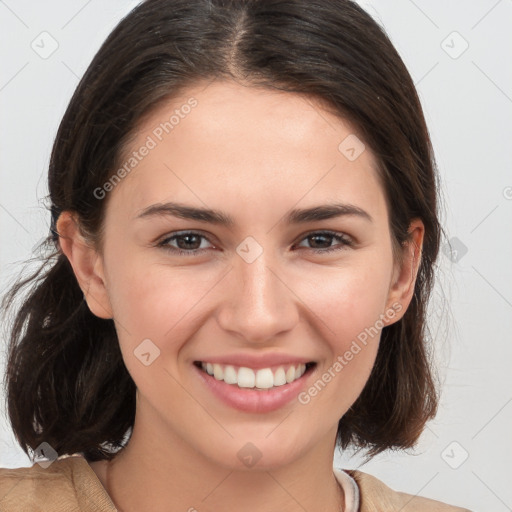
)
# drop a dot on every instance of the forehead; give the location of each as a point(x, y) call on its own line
point(222, 140)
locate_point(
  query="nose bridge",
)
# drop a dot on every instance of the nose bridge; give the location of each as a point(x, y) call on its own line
point(258, 304)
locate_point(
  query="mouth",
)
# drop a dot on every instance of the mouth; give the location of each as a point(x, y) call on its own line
point(261, 379)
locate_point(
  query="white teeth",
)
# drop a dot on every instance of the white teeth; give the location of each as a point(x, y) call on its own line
point(217, 372)
point(246, 378)
point(290, 374)
point(230, 375)
point(279, 377)
point(263, 378)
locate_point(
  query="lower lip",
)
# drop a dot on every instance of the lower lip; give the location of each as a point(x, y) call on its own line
point(252, 400)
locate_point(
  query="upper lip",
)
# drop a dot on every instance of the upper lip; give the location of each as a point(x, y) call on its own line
point(253, 361)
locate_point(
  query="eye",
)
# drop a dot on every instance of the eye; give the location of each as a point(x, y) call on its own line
point(326, 238)
point(189, 243)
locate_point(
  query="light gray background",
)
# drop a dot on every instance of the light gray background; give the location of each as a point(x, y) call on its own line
point(467, 98)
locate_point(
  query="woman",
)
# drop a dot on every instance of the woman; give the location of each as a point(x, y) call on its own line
point(244, 204)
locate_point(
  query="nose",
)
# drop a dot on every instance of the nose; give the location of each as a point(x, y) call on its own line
point(258, 302)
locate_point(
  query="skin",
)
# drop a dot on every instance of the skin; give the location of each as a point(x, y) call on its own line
point(255, 154)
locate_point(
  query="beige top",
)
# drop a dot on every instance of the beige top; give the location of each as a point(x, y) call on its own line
point(69, 484)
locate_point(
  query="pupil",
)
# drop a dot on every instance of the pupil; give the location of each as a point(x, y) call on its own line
point(316, 237)
point(184, 245)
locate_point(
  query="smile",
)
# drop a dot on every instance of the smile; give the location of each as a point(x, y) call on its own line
point(262, 378)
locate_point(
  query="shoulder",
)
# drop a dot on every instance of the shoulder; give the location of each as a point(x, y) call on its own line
point(68, 484)
point(376, 496)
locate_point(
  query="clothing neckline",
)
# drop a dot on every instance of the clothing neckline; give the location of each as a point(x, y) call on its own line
point(350, 490)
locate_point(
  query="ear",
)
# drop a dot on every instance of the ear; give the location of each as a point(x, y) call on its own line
point(401, 289)
point(87, 264)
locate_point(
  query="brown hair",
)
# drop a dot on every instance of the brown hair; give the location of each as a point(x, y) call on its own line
point(65, 377)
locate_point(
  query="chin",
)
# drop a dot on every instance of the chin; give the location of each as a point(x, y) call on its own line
point(259, 452)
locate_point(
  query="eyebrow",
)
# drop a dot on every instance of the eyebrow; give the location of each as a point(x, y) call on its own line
point(295, 216)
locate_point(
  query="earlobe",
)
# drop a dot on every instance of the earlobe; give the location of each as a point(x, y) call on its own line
point(87, 264)
point(402, 286)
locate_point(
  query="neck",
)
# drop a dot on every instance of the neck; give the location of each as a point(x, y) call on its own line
point(135, 483)
point(159, 471)
point(332, 499)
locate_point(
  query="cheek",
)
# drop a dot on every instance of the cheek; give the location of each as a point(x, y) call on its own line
point(347, 300)
point(152, 294)
point(156, 301)
point(350, 307)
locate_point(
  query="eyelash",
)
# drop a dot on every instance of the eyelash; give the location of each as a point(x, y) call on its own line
point(341, 238)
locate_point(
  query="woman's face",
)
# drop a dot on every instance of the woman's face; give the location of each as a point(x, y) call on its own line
point(260, 287)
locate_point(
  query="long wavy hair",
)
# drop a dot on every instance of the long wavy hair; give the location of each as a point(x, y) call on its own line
point(66, 382)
